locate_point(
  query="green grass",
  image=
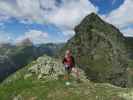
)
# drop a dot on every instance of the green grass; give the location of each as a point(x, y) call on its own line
point(57, 90)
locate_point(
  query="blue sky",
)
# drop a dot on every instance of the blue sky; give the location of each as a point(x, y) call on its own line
point(106, 6)
point(16, 29)
point(45, 21)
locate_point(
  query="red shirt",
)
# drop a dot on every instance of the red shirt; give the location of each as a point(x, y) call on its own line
point(69, 61)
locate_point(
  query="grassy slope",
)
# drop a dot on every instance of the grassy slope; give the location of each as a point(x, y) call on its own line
point(32, 89)
point(56, 90)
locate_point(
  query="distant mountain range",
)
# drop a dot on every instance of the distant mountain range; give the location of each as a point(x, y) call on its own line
point(14, 57)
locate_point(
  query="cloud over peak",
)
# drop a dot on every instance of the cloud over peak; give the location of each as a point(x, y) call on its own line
point(71, 13)
point(35, 36)
point(122, 16)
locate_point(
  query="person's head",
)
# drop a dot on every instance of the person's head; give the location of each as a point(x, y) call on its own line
point(68, 53)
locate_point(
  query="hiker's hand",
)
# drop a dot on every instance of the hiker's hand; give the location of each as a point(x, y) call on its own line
point(74, 70)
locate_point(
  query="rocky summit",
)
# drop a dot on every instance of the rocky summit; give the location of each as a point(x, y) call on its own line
point(100, 50)
point(46, 66)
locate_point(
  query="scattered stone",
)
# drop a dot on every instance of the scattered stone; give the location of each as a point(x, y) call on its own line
point(27, 76)
point(127, 96)
point(19, 97)
point(47, 66)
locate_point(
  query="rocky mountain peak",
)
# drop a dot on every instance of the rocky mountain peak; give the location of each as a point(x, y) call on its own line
point(93, 23)
point(99, 49)
point(92, 16)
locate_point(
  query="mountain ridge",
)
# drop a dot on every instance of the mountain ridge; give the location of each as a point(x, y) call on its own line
point(14, 57)
point(37, 81)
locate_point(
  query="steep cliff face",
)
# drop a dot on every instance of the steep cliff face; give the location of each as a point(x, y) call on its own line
point(99, 49)
point(129, 44)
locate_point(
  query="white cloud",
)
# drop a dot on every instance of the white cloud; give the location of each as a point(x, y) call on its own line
point(69, 33)
point(4, 37)
point(35, 36)
point(128, 32)
point(122, 16)
point(30, 9)
point(71, 13)
point(23, 9)
point(65, 16)
point(7, 9)
point(3, 17)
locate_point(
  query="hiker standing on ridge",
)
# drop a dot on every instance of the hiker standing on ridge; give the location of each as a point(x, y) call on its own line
point(69, 64)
